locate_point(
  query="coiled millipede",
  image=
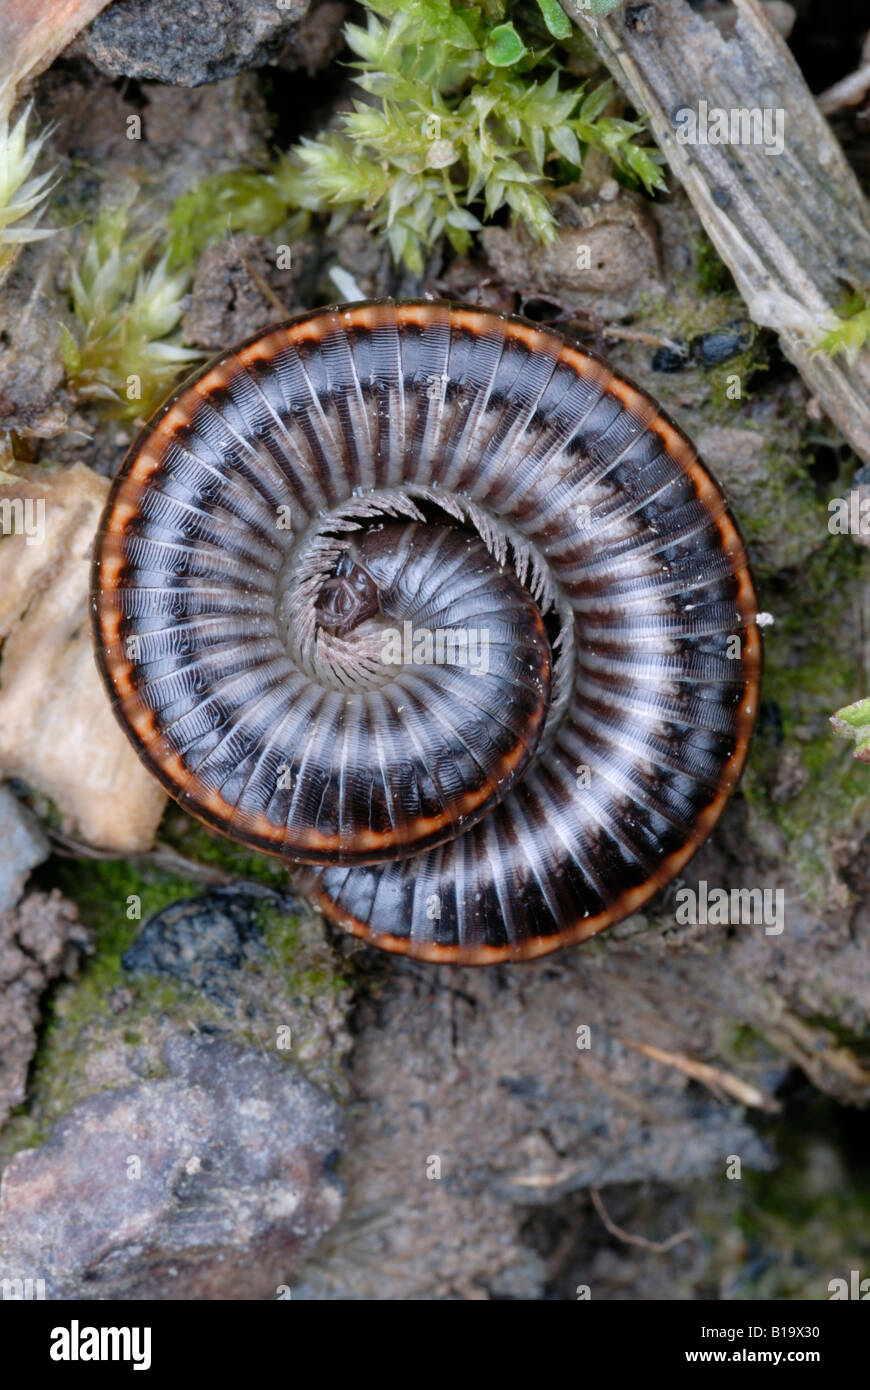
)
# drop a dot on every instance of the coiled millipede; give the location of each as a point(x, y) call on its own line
point(436, 606)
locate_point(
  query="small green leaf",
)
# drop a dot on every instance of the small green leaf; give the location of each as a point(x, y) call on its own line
point(537, 145)
point(72, 358)
point(646, 165)
point(854, 722)
point(504, 47)
point(850, 336)
point(595, 102)
point(462, 219)
point(566, 142)
point(555, 19)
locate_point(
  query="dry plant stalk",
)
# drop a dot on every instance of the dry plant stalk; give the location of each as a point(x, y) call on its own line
point(793, 228)
point(32, 33)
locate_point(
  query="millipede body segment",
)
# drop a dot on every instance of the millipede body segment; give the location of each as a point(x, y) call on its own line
point(439, 608)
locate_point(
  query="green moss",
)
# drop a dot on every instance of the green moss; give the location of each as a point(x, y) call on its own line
point(745, 367)
point(195, 841)
point(813, 1212)
point(852, 332)
point(690, 312)
point(107, 1027)
point(853, 721)
point(711, 273)
point(124, 351)
point(467, 114)
point(786, 1233)
point(22, 193)
point(743, 1044)
point(283, 937)
point(810, 667)
point(768, 482)
point(781, 519)
point(101, 890)
point(237, 200)
point(684, 314)
point(78, 1015)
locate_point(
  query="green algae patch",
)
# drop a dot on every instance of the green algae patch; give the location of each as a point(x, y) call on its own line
point(811, 665)
point(107, 1027)
point(197, 842)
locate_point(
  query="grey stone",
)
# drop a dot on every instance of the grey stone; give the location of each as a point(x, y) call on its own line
point(210, 1183)
point(201, 942)
point(188, 42)
point(24, 846)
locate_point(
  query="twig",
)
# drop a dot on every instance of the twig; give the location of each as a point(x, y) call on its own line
point(262, 284)
point(713, 1077)
point(658, 1247)
point(849, 91)
point(793, 227)
point(815, 1050)
point(639, 335)
point(162, 857)
point(547, 1180)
